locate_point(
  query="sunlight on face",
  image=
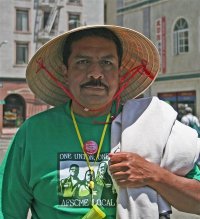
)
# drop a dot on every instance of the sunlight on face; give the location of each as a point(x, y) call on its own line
point(92, 73)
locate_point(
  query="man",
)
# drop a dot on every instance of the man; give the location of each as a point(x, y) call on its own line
point(70, 185)
point(101, 172)
point(103, 182)
point(103, 66)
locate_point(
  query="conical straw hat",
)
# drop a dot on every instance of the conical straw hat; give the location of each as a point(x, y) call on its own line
point(137, 50)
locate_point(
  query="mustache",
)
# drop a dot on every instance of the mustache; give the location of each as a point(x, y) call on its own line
point(95, 83)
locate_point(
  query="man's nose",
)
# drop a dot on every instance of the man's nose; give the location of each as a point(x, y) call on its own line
point(95, 71)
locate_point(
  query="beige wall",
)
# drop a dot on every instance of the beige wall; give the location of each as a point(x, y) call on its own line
point(181, 66)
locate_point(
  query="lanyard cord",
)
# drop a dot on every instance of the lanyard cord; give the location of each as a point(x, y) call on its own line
point(81, 141)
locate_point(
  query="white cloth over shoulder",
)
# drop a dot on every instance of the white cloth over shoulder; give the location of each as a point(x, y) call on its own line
point(148, 126)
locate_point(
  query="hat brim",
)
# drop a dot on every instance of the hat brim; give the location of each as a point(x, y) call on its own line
point(136, 49)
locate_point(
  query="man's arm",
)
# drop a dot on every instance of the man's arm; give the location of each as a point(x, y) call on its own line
point(131, 170)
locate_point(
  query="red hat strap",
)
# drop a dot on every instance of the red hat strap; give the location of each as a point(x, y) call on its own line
point(124, 82)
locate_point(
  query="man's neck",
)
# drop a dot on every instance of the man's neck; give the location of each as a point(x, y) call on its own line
point(89, 113)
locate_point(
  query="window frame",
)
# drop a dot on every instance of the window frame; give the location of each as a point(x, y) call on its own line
point(74, 2)
point(77, 22)
point(181, 37)
point(25, 54)
point(22, 15)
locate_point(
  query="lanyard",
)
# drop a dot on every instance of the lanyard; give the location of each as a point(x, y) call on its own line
point(91, 184)
point(81, 141)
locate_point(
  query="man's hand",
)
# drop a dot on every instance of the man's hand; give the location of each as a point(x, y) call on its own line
point(131, 170)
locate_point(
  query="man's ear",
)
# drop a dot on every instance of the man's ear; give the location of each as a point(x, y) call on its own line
point(65, 74)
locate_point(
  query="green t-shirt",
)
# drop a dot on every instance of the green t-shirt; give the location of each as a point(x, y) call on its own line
point(46, 168)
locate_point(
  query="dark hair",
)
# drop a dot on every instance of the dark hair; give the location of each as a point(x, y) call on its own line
point(100, 32)
point(73, 165)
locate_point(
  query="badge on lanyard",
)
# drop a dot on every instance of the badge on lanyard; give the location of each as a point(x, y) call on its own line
point(90, 147)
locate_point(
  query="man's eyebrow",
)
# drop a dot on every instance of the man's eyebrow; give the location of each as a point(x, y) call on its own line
point(82, 56)
point(110, 56)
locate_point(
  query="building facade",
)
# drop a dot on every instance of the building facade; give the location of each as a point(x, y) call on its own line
point(174, 27)
point(31, 23)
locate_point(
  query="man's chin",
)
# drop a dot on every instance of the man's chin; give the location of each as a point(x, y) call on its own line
point(94, 92)
point(95, 102)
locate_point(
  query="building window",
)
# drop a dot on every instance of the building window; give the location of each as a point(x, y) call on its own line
point(21, 53)
point(22, 21)
point(181, 37)
point(77, 2)
point(50, 27)
point(178, 100)
point(74, 20)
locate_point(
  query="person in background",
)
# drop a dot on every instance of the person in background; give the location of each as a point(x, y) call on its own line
point(189, 117)
point(92, 75)
point(190, 120)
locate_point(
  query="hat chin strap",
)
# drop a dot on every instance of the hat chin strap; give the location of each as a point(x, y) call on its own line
point(85, 108)
point(124, 83)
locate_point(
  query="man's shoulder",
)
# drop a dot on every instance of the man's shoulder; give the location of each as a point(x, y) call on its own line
point(146, 109)
point(149, 102)
point(43, 118)
point(48, 113)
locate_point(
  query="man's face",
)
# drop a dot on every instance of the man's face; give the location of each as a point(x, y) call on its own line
point(102, 168)
point(88, 176)
point(92, 74)
point(74, 171)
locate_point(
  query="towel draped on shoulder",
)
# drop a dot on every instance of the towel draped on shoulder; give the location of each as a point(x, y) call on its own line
point(149, 127)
